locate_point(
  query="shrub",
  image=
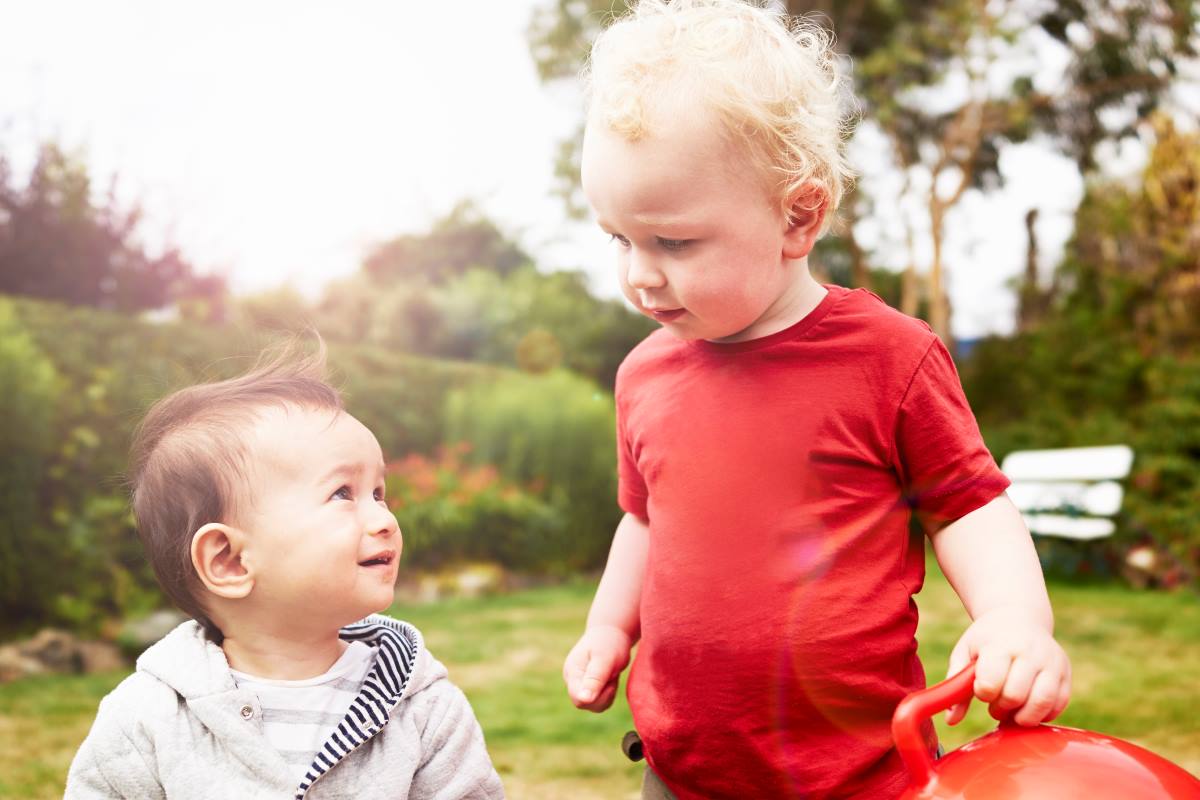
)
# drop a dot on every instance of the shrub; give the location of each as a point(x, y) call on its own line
point(28, 388)
point(401, 398)
point(1029, 393)
point(450, 511)
point(555, 431)
point(1163, 504)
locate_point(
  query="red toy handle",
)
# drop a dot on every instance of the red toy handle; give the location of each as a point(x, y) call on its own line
point(920, 706)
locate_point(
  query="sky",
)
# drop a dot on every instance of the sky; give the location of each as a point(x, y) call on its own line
point(276, 142)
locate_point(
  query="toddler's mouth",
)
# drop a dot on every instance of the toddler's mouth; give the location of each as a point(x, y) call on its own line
point(666, 314)
point(381, 560)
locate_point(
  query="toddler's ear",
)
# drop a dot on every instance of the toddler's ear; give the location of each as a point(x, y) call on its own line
point(805, 209)
point(217, 559)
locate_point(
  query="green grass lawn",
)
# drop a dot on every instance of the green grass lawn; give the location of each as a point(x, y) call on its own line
point(1136, 658)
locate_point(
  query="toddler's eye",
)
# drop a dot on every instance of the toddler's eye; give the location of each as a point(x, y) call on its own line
point(673, 244)
point(379, 491)
point(619, 239)
point(343, 493)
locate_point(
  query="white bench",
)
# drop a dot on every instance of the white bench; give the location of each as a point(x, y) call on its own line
point(1071, 493)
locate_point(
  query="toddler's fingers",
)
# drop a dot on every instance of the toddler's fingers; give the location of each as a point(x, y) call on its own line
point(1064, 696)
point(574, 672)
point(991, 669)
point(575, 664)
point(603, 698)
point(606, 696)
point(955, 713)
point(595, 676)
point(960, 656)
point(1042, 696)
point(1018, 684)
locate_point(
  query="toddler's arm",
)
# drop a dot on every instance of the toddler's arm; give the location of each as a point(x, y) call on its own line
point(593, 668)
point(989, 559)
point(108, 766)
point(454, 761)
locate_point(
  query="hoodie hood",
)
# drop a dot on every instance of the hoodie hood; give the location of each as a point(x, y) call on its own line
point(195, 666)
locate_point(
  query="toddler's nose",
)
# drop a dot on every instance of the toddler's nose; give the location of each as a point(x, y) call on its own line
point(643, 273)
point(383, 524)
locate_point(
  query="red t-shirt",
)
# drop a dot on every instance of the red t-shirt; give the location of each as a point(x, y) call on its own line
point(778, 477)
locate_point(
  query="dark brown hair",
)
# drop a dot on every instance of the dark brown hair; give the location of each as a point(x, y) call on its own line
point(189, 456)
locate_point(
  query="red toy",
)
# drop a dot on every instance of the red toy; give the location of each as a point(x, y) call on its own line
point(1044, 762)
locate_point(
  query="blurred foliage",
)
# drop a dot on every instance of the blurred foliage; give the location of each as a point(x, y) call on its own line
point(553, 431)
point(460, 241)
point(1117, 360)
point(402, 398)
point(1123, 59)
point(28, 385)
point(58, 243)
point(463, 291)
point(280, 310)
point(482, 304)
point(109, 368)
point(452, 511)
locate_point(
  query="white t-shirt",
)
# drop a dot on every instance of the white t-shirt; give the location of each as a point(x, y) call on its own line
point(298, 716)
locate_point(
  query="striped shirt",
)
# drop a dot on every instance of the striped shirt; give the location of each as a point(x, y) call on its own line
point(298, 716)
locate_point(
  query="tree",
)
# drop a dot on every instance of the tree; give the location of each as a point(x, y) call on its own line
point(1134, 265)
point(502, 319)
point(463, 239)
point(56, 243)
point(1119, 55)
point(281, 309)
point(465, 290)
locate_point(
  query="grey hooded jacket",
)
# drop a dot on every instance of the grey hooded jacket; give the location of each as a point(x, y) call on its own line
point(179, 727)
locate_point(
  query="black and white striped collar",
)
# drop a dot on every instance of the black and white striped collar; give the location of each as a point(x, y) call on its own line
point(396, 646)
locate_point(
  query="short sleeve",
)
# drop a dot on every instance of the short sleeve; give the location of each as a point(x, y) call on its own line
point(631, 487)
point(945, 469)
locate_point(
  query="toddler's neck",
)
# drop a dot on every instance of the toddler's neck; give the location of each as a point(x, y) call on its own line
point(275, 657)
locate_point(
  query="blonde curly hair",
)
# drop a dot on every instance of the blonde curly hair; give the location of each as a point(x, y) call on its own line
point(773, 80)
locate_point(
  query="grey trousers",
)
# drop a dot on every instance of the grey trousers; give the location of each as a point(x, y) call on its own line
point(653, 788)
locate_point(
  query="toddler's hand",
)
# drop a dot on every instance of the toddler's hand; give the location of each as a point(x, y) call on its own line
point(1018, 667)
point(592, 670)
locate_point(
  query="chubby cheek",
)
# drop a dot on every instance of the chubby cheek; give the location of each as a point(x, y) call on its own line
point(711, 289)
point(725, 310)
